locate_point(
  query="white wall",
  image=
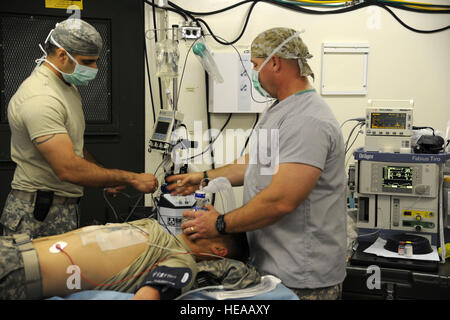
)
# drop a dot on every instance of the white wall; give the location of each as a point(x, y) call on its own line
point(402, 64)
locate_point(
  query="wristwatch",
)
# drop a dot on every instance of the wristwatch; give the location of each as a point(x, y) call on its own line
point(220, 224)
point(205, 177)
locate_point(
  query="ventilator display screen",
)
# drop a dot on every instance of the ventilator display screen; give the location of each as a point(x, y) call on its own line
point(388, 120)
point(398, 177)
point(162, 127)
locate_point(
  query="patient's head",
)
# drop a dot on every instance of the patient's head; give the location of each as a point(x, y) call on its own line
point(233, 246)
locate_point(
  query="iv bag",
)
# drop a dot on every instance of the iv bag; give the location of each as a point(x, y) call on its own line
point(167, 56)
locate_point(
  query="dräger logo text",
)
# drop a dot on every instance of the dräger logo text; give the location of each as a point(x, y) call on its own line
point(365, 156)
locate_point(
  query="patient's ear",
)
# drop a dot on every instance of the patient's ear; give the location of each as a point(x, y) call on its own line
point(219, 250)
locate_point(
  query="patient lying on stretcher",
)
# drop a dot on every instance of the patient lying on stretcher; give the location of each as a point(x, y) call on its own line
point(137, 257)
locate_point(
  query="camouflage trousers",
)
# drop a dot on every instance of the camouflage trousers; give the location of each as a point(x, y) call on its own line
point(17, 217)
point(227, 272)
point(12, 272)
point(327, 293)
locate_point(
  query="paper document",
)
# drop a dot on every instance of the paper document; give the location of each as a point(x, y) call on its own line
point(378, 249)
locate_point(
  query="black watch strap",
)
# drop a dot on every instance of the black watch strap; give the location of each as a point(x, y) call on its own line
point(220, 224)
point(205, 177)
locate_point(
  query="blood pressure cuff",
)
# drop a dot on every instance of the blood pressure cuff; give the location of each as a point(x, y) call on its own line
point(169, 281)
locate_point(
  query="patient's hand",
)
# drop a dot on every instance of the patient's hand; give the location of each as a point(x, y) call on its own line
point(146, 293)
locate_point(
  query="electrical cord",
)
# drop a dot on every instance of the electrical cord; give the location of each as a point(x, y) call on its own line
point(184, 15)
point(249, 136)
point(420, 128)
point(156, 40)
point(360, 124)
point(354, 119)
point(354, 140)
point(242, 31)
point(246, 73)
point(149, 81)
point(140, 195)
point(213, 140)
point(298, 8)
point(240, 58)
point(411, 28)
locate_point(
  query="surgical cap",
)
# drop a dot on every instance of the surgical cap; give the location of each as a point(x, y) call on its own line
point(78, 37)
point(267, 41)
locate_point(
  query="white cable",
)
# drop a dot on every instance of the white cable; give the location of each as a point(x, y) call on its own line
point(441, 213)
point(368, 234)
point(112, 208)
point(114, 211)
point(135, 205)
point(220, 287)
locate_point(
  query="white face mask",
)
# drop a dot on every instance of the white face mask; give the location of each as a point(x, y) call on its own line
point(255, 73)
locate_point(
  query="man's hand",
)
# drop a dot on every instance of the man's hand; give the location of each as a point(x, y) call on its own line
point(144, 182)
point(203, 224)
point(59, 152)
point(184, 184)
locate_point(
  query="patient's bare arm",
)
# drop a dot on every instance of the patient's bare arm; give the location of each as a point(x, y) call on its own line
point(147, 293)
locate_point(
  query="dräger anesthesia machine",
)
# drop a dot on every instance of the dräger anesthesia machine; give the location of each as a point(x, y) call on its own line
point(400, 194)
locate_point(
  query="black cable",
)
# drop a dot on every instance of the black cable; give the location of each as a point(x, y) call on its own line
point(169, 9)
point(420, 128)
point(148, 69)
point(249, 136)
point(208, 116)
point(408, 8)
point(184, 68)
point(406, 3)
point(298, 8)
point(156, 40)
point(245, 70)
point(212, 12)
point(360, 124)
point(239, 36)
point(348, 149)
point(208, 119)
point(411, 28)
point(214, 140)
point(149, 81)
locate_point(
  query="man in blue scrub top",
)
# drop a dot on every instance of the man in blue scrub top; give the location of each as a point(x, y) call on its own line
point(294, 208)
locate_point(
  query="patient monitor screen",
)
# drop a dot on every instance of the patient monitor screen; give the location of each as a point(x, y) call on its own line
point(398, 178)
point(388, 120)
point(162, 127)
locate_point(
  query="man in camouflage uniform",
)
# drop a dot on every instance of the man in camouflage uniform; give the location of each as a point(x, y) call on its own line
point(47, 138)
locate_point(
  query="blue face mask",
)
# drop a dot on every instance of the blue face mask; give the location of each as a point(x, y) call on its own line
point(255, 73)
point(80, 76)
